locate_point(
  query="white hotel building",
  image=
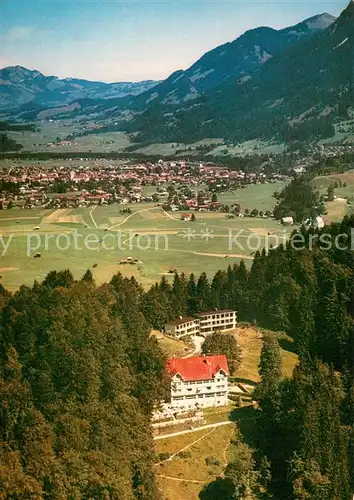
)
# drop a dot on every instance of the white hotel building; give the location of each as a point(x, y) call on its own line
point(199, 381)
point(183, 327)
point(205, 323)
point(211, 321)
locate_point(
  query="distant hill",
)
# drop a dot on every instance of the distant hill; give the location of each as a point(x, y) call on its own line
point(20, 86)
point(235, 59)
point(231, 60)
point(295, 95)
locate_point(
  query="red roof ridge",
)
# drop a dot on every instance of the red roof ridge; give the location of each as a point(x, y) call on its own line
point(198, 367)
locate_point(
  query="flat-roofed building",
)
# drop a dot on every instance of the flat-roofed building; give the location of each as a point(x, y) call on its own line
point(199, 381)
point(223, 320)
point(183, 327)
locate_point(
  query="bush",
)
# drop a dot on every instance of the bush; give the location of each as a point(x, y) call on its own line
point(184, 454)
point(212, 461)
point(163, 456)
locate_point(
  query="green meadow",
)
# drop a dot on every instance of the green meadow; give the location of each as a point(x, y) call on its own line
point(98, 238)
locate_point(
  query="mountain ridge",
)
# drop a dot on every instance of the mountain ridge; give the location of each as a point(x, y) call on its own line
point(241, 56)
point(20, 85)
point(295, 95)
point(236, 58)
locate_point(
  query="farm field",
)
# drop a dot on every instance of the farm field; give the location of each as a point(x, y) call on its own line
point(255, 146)
point(258, 196)
point(172, 148)
point(49, 132)
point(118, 141)
point(344, 202)
point(160, 241)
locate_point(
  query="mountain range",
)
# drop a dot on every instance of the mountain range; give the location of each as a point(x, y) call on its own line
point(232, 60)
point(19, 86)
point(289, 84)
point(297, 94)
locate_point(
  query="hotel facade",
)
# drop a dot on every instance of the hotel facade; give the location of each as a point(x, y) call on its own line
point(204, 324)
point(199, 381)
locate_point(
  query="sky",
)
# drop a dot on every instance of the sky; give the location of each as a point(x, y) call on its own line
point(113, 40)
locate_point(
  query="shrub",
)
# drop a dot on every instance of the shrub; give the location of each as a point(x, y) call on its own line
point(212, 461)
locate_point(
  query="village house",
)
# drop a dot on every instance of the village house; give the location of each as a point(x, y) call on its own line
point(199, 381)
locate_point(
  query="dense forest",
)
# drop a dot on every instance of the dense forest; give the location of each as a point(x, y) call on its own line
point(18, 127)
point(80, 374)
point(298, 200)
point(8, 144)
point(79, 377)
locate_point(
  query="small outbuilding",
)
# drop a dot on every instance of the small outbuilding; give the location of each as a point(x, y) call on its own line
point(287, 221)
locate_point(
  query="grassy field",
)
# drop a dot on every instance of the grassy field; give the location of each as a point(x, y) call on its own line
point(250, 340)
point(99, 143)
point(160, 241)
point(258, 196)
point(255, 146)
point(48, 132)
point(98, 238)
point(184, 478)
point(170, 346)
point(344, 203)
point(117, 141)
point(51, 131)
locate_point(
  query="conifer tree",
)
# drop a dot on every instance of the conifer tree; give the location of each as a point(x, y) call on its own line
point(192, 295)
point(202, 294)
point(88, 276)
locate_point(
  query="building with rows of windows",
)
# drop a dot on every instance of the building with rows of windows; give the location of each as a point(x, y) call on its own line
point(211, 321)
point(199, 381)
point(183, 327)
point(204, 324)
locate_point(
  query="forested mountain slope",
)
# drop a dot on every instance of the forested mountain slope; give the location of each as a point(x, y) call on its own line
point(295, 95)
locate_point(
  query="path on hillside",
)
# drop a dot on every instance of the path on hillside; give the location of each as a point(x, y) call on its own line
point(132, 215)
point(195, 429)
point(224, 454)
point(169, 216)
point(169, 459)
point(181, 480)
point(93, 220)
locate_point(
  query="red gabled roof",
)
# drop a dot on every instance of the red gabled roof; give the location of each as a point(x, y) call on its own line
point(198, 367)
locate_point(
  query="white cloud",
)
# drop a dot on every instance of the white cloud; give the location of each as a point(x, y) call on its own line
point(19, 33)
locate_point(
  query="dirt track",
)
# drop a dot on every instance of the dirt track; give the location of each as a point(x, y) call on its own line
point(222, 255)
